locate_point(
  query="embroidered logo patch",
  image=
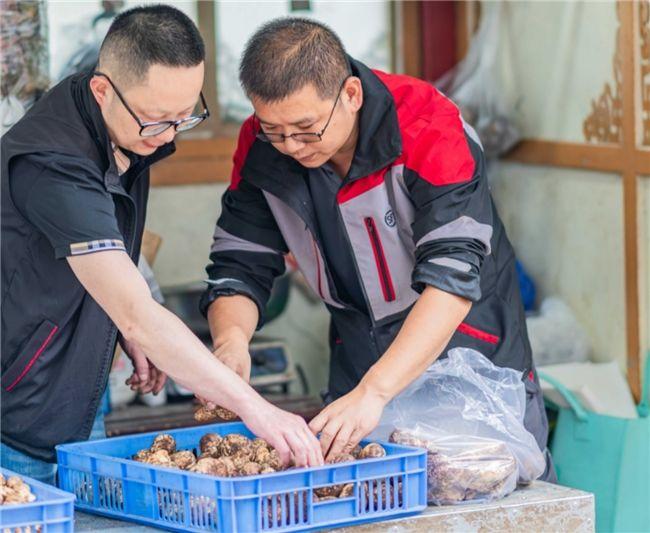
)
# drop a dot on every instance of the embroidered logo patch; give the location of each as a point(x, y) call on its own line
point(389, 218)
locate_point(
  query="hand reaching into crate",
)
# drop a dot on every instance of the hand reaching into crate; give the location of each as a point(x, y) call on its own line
point(290, 436)
point(115, 284)
point(285, 432)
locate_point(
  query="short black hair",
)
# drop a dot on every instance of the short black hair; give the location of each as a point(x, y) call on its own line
point(144, 36)
point(286, 54)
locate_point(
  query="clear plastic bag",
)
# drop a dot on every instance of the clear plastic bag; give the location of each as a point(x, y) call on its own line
point(468, 414)
point(476, 84)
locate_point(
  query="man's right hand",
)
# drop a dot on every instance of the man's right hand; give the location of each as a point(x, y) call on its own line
point(289, 434)
point(235, 355)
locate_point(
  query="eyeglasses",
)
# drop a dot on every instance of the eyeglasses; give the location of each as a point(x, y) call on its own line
point(151, 129)
point(310, 137)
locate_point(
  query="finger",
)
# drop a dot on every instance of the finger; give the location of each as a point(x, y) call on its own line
point(339, 442)
point(246, 374)
point(313, 447)
point(206, 403)
point(154, 372)
point(297, 446)
point(313, 454)
point(327, 436)
point(241, 370)
point(318, 422)
point(354, 439)
point(283, 449)
point(140, 364)
point(147, 386)
point(160, 382)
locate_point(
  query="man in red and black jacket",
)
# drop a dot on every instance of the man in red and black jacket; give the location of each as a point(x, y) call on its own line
point(378, 188)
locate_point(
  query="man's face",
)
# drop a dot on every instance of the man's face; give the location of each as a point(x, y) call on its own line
point(165, 93)
point(305, 112)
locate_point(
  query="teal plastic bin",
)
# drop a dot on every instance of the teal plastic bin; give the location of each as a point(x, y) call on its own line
point(607, 456)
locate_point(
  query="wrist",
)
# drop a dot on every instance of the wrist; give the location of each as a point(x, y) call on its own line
point(250, 403)
point(372, 384)
point(232, 336)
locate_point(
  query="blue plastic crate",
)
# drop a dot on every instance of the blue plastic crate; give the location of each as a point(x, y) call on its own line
point(106, 482)
point(51, 512)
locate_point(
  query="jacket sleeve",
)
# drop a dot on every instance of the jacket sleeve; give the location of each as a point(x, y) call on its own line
point(452, 229)
point(247, 252)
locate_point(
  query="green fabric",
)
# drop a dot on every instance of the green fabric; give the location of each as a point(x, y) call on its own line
point(607, 456)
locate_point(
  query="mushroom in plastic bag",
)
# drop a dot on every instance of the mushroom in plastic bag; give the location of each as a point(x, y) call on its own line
point(469, 416)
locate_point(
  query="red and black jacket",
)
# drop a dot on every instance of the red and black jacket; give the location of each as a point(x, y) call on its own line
point(417, 211)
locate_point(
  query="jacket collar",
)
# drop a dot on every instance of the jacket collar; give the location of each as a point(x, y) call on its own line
point(379, 142)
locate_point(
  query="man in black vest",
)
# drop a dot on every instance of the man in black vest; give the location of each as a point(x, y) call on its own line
point(75, 181)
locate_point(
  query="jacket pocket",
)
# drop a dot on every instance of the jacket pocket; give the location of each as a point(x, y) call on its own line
point(479, 334)
point(29, 355)
point(385, 278)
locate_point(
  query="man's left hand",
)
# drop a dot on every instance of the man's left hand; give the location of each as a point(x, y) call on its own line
point(146, 377)
point(346, 421)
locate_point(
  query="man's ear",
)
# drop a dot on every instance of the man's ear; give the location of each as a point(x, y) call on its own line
point(353, 93)
point(99, 87)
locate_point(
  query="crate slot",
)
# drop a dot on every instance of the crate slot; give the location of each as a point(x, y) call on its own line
point(203, 512)
point(82, 486)
point(171, 505)
point(379, 495)
point(284, 510)
point(111, 495)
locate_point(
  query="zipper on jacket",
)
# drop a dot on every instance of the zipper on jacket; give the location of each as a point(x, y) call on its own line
point(380, 259)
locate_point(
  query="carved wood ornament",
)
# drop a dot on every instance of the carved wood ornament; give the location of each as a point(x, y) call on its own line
point(604, 124)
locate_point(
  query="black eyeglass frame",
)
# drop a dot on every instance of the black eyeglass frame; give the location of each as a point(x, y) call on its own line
point(169, 123)
point(301, 136)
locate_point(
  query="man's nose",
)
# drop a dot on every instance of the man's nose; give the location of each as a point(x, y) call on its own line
point(291, 146)
point(168, 135)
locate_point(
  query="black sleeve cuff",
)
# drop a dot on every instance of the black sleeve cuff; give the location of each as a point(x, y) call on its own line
point(464, 284)
point(229, 287)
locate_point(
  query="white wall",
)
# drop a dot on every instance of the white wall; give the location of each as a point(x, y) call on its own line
point(567, 229)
